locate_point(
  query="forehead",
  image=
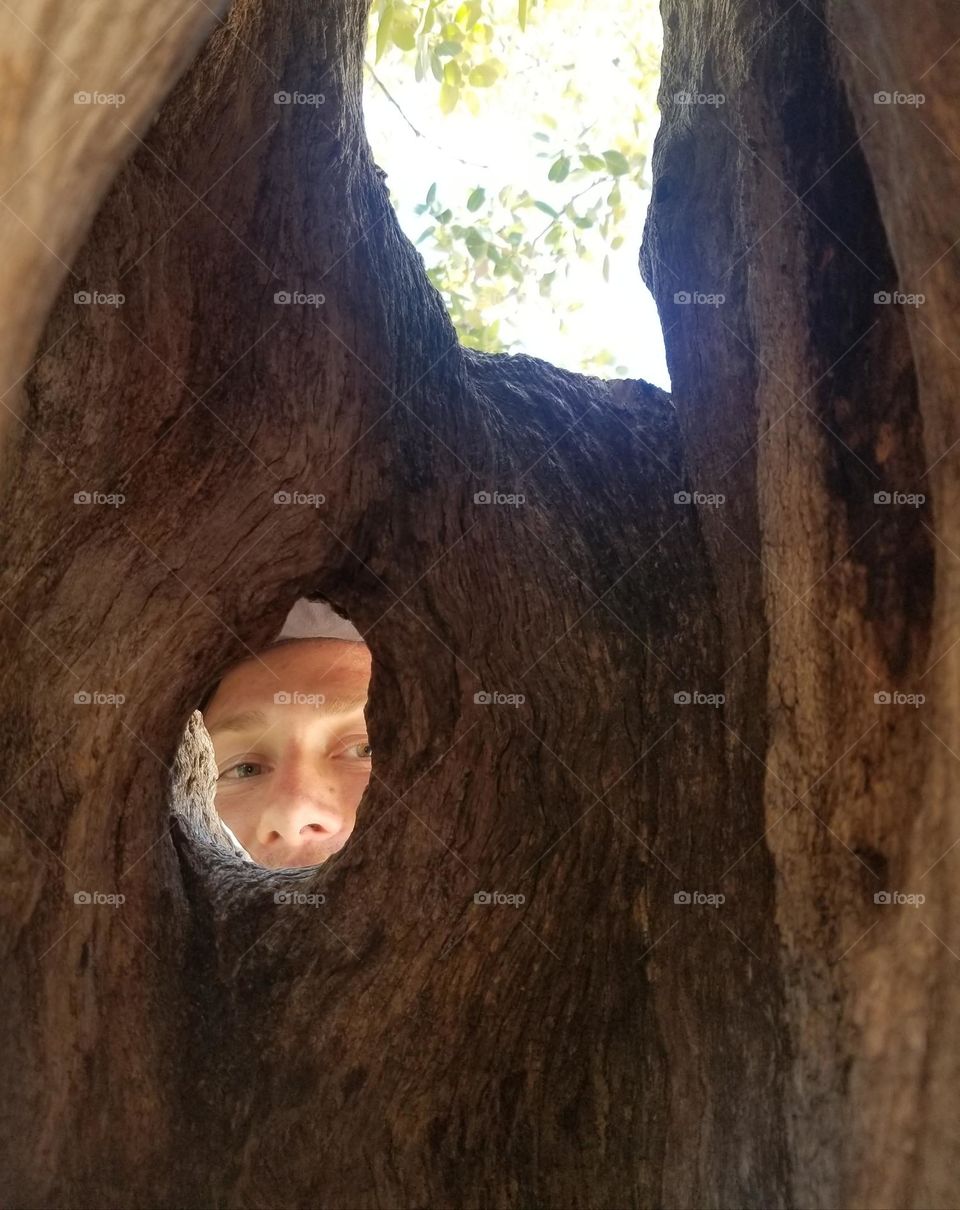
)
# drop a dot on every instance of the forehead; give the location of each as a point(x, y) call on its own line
point(329, 666)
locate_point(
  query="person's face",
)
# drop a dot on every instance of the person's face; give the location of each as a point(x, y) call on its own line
point(291, 748)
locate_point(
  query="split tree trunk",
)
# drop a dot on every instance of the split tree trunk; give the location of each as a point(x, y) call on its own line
point(400, 1044)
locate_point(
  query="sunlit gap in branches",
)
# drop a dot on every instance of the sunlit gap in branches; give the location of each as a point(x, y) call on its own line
point(516, 138)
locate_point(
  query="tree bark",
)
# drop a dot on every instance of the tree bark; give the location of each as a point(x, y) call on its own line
point(696, 679)
point(817, 197)
point(79, 84)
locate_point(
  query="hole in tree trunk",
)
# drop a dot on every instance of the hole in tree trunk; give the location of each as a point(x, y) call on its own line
point(275, 761)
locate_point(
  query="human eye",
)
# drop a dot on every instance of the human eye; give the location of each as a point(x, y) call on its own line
point(238, 772)
point(360, 750)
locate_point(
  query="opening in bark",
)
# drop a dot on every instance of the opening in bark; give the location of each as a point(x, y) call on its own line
point(524, 191)
point(278, 745)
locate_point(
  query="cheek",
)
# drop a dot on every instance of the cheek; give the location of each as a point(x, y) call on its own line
point(239, 812)
point(354, 783)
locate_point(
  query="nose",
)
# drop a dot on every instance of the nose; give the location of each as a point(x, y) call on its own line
point(303, 810)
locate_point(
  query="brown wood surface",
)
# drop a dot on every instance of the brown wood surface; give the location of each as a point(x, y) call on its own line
point(600, 1045)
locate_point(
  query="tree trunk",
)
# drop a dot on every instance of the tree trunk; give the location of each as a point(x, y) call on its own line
point(688, 613)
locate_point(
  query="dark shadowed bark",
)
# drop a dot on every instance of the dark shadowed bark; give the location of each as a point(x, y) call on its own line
point(806, 198)
point(685, 690)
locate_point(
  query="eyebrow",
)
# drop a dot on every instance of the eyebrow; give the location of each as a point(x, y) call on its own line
point(246, 720)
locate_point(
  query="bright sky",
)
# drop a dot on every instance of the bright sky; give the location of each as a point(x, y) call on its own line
point(500, 149)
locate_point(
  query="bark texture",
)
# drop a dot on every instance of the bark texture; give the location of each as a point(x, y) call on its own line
point(368, 1034)
point(806, 398)
point(79, 84)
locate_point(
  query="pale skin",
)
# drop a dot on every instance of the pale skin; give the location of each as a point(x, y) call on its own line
point(292, 769)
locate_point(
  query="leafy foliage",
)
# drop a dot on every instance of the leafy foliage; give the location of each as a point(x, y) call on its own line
point(523, 65)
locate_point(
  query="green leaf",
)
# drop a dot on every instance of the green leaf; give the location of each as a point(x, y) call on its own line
point(449, 49)
point(404, 36)
point(449, 95)
point(547, 209)
point(483, 76)
point(476, 244)
point(383, 31)
point(595, 163)
point(606, 268)
point(559, 169)
point(426, 234)
point(436, 67)
point(522, 14)
point(544, 138)
point(476, 199)
point(452, 75)
point(617, 162)
point(468, 15)
point(431, 193)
